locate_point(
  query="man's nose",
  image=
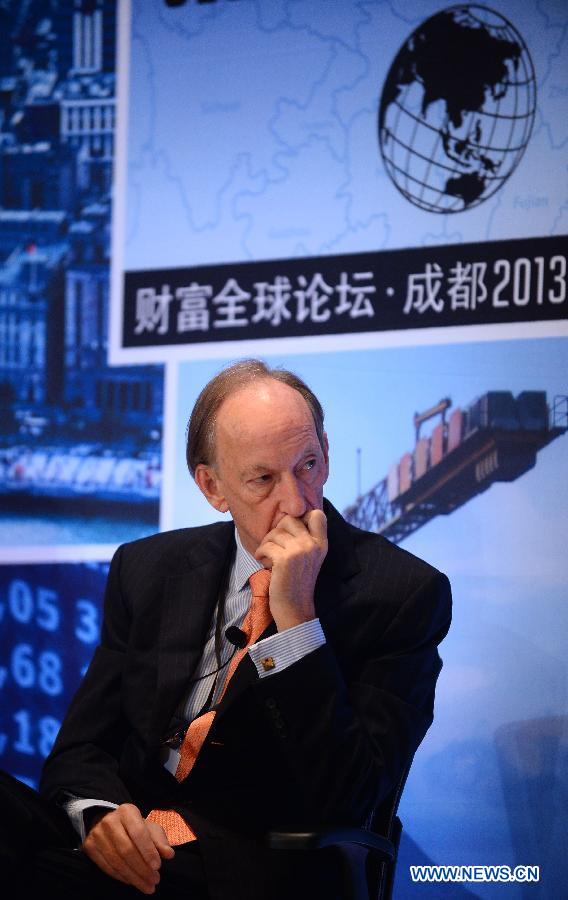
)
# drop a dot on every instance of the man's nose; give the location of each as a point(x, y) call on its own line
point(292, 500)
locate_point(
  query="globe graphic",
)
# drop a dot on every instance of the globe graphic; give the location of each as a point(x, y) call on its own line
point(457, 109)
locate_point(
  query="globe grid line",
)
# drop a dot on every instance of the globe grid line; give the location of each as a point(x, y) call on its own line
point(514, 84)
point(425, 205)
point(410, 148)
point(431, 162)
point(423, 184)
point(528, 82)
point(397, 123)
point(504, 25)
point(453, 170)
point(455, 201)
point(515, 118)
point(439, 165)
point(531, 96)
point(497, 112)
point(530, 85)
point(418, 121)
point(513, 122)
point(520, 148)
point(486, 113)
point(434, 152)
point(428, 159)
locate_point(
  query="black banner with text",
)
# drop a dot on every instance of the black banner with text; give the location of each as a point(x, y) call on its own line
point(426, 287)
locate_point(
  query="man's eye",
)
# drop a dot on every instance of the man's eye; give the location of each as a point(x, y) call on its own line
point(262, 479)
point(310, 463)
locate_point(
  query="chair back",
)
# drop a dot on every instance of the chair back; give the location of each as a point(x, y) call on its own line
point(385, 821)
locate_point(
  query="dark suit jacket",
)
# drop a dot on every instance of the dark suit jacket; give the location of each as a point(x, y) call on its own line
point(318, 743)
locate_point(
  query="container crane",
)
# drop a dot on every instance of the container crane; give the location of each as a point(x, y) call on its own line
point(495, 438)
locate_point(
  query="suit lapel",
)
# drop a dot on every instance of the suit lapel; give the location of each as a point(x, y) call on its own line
point(339, 566)
point(188, 606)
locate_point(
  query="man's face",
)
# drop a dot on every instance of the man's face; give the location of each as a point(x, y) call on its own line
point(268, 460)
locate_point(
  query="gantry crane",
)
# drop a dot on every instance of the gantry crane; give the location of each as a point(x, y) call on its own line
point(495, 438)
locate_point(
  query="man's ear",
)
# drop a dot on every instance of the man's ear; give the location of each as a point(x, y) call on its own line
point(209, 483)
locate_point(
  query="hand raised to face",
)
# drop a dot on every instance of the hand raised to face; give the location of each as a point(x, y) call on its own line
point(294, 550)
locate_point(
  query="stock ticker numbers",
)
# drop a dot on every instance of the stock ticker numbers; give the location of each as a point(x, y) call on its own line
point(50, 618)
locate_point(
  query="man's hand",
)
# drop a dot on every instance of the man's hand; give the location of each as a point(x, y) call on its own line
point(127, 847)
point(295, 551)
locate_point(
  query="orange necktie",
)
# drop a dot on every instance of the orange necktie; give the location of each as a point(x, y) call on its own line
point(257, 619)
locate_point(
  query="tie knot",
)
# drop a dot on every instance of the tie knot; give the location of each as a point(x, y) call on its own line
point(260, 583)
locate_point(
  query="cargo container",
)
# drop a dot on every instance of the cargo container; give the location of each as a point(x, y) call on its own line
point(495, 409)
point(455, 429)
point(532, 410)
point(392, 483)
point(421, 457)
point(437, 444)
point(405, 472)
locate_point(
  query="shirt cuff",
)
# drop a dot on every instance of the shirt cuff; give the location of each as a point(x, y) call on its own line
point(284, 648)
point(76, 808)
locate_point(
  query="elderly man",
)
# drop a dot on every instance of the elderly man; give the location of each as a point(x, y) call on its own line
point(277, 670)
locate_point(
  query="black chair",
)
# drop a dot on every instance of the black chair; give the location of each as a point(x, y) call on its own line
point(370, 877)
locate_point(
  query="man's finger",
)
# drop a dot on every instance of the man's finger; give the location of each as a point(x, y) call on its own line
point(160, 840)
point(274, 541)
point(124, 858)
point(316, 523)
point(120, 842)
point(291, 525)
point(97, 857)
point(287, 531)
point(141, 840)
point(105, 857)
point(127, 834)
point(267, 554)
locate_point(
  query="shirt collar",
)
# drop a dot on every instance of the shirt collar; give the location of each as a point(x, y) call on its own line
point(245, 564)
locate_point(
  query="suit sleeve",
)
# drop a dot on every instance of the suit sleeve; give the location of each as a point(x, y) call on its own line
point(348, 733)
point(84, 758)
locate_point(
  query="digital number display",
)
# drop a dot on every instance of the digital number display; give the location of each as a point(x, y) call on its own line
point(50, 619)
